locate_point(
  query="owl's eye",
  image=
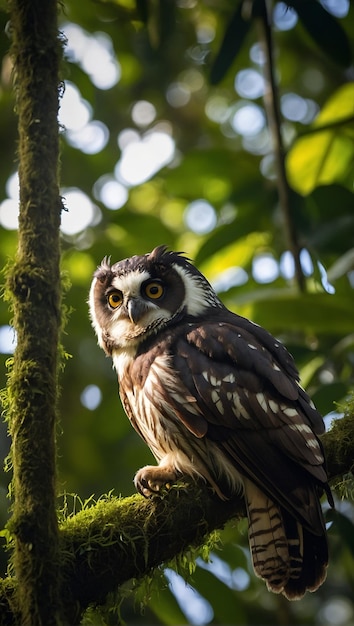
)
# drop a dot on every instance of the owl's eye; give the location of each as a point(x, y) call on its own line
point(153, 290)
point(115, 299)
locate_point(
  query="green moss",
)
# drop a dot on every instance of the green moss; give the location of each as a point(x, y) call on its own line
point(339, 444)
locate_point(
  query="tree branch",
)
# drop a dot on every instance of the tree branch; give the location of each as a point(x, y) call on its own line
point(271, 102)
point(118, 539)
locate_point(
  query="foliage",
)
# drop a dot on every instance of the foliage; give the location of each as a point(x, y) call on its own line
point(185, 59)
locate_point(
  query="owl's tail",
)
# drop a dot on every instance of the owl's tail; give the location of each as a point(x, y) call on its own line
point(286, 555)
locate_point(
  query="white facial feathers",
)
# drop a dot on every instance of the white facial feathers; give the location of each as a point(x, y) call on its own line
point(94, 319)
point(199, 295)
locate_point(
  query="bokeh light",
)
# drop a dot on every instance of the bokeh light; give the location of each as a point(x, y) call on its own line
point(200, 217)
point(9, 211)
point(248, 120)
point(143, 113)
point(235, 579)
point(284, 17)
point(231, 277)
point(8, 339)
point(265, 268)
point(90, 139)
point(79, 213)
point(75, 112)
point(338, 8)
point(143, 157)
point(196, 608)
point(110, 192)
point(249, 83)
point(178, 94)
point(91, 397)
point(94, 54)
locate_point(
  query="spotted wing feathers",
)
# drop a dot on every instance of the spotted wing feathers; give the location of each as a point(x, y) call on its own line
point(245, 390)
point(226, 396)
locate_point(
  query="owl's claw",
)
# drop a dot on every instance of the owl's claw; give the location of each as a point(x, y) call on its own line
point(149, 480)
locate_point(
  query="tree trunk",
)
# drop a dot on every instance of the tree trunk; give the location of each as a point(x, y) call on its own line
point(34, 284)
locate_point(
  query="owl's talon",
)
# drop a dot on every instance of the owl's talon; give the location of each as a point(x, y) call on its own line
point(151, 480)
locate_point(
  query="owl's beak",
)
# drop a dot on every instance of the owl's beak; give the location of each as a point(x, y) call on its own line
point(135, 309)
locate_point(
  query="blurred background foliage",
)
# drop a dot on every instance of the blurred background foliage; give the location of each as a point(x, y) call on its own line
point(165, 140)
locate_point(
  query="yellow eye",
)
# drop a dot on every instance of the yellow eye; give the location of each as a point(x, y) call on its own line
point(154, 290)
point(115, 299)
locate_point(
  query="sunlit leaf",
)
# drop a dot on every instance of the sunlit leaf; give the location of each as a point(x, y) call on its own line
point(319, 159)
point(230, 246)
point(338, 107)
point(325, 156)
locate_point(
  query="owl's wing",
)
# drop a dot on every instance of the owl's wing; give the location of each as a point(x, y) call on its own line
point(245, 387)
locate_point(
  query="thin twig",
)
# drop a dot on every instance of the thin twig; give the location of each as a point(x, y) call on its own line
point(271, 101)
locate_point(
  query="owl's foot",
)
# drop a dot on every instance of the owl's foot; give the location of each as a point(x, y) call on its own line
point(150, 479)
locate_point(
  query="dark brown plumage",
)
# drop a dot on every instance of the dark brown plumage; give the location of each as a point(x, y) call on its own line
point(216, 396)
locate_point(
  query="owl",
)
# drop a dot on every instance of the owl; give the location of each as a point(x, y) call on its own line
point(215, 396)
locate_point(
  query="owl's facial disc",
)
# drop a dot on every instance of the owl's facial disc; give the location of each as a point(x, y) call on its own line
point(136, 306)
point(139, 296)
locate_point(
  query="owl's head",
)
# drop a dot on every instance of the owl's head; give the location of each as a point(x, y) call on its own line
point(139, 296)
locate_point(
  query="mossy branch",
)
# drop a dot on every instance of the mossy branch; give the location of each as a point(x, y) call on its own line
point(116, 540)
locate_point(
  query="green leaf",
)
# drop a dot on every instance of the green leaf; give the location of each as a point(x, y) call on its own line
point(224, 245)
point(310, 368)
point(285, 311)
point(338, 107)
point(326, 155)
point(342, 266)
point(321, 159)
point(234, 37)
point(324, 30)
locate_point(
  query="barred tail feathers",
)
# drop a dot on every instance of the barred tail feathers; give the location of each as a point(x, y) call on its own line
point(268, 543)
point(314, 560)
point(287, 556)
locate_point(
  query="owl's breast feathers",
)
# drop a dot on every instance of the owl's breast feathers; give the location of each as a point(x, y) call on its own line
point(229, 384)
